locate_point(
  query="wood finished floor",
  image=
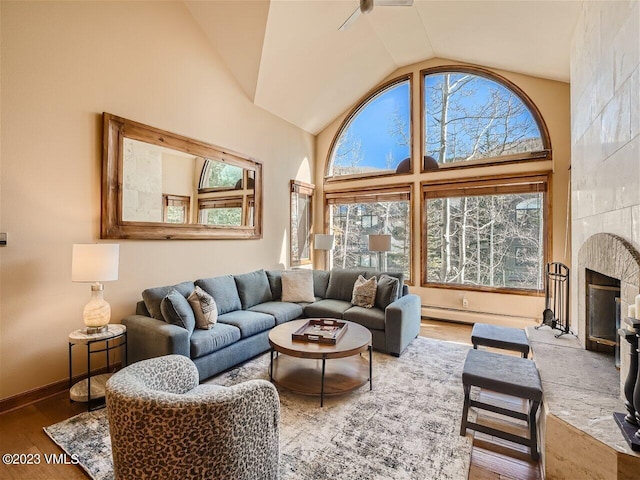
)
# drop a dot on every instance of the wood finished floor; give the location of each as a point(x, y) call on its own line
point(21, 432)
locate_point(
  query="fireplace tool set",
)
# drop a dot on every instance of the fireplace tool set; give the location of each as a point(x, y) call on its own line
point(556, 312)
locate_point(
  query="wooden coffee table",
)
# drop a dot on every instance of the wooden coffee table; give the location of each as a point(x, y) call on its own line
point(304, 368)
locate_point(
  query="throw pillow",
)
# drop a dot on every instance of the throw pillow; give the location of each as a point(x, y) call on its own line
point(204, 308)
point(297, 286)
point(364, 292)
point(177, 310)
point(388, 290)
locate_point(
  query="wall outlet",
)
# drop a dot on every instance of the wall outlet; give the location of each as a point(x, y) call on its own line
point(465, 302)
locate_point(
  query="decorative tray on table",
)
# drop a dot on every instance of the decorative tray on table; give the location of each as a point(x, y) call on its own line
point(320, 330)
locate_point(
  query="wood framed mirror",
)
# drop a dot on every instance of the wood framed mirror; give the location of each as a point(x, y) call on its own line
point(160, 185)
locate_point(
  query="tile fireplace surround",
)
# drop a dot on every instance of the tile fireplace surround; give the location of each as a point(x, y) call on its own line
point(614, 257)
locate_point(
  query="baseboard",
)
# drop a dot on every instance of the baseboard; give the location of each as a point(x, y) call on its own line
point(40, 393)
point(458, 315)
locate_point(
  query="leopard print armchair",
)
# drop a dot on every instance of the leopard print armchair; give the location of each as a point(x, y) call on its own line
point(164, 425)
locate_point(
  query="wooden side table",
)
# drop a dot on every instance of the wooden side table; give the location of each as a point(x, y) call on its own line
point(91, 388)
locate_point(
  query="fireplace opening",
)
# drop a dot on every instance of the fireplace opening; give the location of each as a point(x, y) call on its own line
point(603, 313)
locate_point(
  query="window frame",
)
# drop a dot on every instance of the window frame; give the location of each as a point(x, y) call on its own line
point(544, 154)
point(372, 194)
point(308, 189)
point(497, 184)
point(170, 200)
point(359, 106)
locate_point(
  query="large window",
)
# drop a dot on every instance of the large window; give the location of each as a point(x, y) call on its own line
point(301, 225)
point(484, 205)
point(469, 117)
point(376, 137)
point(353, 216)
point(487, 234)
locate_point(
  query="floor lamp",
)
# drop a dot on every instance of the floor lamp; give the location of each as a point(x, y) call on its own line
point(323, 242)
point(380, 244)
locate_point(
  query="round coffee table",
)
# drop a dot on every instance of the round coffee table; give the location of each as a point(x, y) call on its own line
point(304, 368)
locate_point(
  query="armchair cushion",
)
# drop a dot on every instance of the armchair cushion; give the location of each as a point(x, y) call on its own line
point(253, 288)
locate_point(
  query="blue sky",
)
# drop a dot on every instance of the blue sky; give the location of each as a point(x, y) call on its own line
point(372, 125)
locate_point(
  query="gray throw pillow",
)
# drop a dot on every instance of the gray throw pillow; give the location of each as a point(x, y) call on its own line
point(387, 291)
point(177, 311)
point(275, 283)
point(153, 296)
point(253, 288)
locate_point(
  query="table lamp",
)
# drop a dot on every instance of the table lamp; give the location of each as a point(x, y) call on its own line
point(95, 263)
point(380, 244)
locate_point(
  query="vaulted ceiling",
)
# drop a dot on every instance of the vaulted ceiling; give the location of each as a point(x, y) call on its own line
point(290, 59)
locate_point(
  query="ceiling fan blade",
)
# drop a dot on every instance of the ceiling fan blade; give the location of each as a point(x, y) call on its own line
point(352, 18)
point(393, 3)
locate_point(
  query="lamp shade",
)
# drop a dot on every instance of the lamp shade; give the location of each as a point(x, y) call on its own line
point(323, 242)
point(379, 243)
point(95, 262)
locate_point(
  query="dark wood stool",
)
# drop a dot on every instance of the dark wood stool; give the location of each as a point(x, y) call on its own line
point(500, 337)
point(513, 376)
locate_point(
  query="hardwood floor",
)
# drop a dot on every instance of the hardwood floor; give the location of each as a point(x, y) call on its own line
point(21, 432)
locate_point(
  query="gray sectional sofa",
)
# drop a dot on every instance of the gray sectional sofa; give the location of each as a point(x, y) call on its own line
point(249, 305)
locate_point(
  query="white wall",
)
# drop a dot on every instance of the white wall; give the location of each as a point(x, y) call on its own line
point(62, 65)
point(605, 134)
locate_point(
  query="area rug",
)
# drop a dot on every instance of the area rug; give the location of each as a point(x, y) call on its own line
point(406, 428)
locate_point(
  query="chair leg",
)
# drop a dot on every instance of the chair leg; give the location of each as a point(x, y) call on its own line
point(533, 432)
point(465, 409)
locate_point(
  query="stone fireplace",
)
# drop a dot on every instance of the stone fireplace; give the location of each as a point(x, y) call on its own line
point(606, 262)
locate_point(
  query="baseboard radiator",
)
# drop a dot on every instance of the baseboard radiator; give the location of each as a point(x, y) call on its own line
point(464, 315)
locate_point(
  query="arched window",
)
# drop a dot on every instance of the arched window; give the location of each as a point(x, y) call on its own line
point(471, 117)
point(376, 137)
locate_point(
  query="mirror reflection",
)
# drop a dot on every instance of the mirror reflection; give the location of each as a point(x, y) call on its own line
point(168, 186)
point(161, 185)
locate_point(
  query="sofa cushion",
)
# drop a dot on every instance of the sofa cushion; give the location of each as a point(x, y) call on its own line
point(177, 311)
point(204, 308)
point(297, 286)
point(275, 283)
point(224, 292)
point(372, 318)
point(282, 311)
point(387, 292)
point(204, 342)
point(153, 296)
point(328, 308)
point(364, 292)
point(253, 288)
point(341, 284)
point(248, 322)
point(398, 275)
point(320, 283)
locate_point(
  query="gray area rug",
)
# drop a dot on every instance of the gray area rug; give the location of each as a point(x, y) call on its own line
point(406, 428)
